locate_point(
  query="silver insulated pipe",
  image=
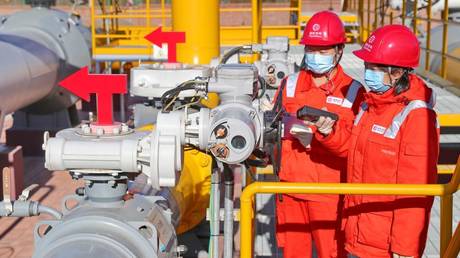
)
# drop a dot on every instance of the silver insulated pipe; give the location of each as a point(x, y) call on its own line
point(39, 47)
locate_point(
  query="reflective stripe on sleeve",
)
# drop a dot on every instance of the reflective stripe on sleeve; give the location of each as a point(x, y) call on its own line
point(291, 84)
point(362, 109)
point(351, 94)
point(399, 119)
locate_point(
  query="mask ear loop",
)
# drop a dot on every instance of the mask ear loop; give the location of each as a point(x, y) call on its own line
point(328, 73)
point(335, 56)
point(303, 63)
point(389, 76)
point(393, 83)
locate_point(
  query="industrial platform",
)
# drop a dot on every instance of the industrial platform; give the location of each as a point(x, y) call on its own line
point(16, 240)
point(151, 67)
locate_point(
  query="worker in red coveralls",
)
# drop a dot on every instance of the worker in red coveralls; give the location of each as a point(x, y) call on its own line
point(306, 219)
point(394, 140)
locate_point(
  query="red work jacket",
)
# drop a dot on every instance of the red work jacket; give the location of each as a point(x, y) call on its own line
point(394, 140)
point(317, 164)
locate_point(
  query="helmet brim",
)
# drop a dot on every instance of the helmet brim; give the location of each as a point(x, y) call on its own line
point(362, 54)
point(366, 57)
point(320, 43)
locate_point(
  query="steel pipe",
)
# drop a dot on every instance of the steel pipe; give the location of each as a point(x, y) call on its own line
point(39, 48)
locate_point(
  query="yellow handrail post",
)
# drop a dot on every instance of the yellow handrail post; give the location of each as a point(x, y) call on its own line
point(445, 15)
point(257, 21)
point(447, 209)
point(414, 20)
point(446, 222)
point(163, 15)
point(454, 245)
point(376, 15)
point(93, 25)
point(403, 12)
point(332, 188)
point(147, 12)
point(246, 220)
point(299, 13)
point(361, 20)
point(368, 9)
point(428, 36)
point(147, 23)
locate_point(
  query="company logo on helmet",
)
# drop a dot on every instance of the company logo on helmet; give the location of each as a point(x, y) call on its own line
point(371, 39)
point(316, 27)
point(315, 34)
point(368, 45)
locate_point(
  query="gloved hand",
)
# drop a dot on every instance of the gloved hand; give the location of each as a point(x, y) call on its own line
point(401, 256)
point(302, 133)
point(325, 125)
point(266, 105)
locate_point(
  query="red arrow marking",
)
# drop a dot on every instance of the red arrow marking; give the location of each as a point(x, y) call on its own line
point(158, 37)
point(82, 84)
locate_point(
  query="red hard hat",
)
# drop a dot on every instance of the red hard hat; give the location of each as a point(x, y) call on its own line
point(323, 29)
point(393, 45)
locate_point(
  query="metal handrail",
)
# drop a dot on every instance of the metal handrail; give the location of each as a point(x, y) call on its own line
point(453, 249)
point(147, 13)
point(443, 190)
point(365, 9)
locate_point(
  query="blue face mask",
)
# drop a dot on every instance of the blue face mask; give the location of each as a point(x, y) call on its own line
point(318, 63)
point(374, 80)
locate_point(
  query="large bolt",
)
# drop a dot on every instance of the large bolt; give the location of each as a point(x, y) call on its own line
point(86, 129)
point(181, 249)
point(91, 116)
point(116, 130)
point(99, 131)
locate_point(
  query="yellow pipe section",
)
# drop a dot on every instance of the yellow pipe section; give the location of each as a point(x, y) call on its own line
point(445, 15)
point(445, 169)
point(447, 210)
point(199, 20)
point(163, 11)
point(256, 21)
point(93, 24)
point(147, 12)
point(376, 13)
point(414, 20)
point(192, 190)
point(368, 29)
point(449, 119)
point(299, 14)
point(403, 13)
point(334, 188)
point(361, 21)
point(428, 36)
point(268, 9)
point(446, 222)
point(454, 246)
point(146, 16)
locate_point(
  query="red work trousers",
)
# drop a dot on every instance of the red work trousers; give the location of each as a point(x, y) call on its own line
point(301, 223)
